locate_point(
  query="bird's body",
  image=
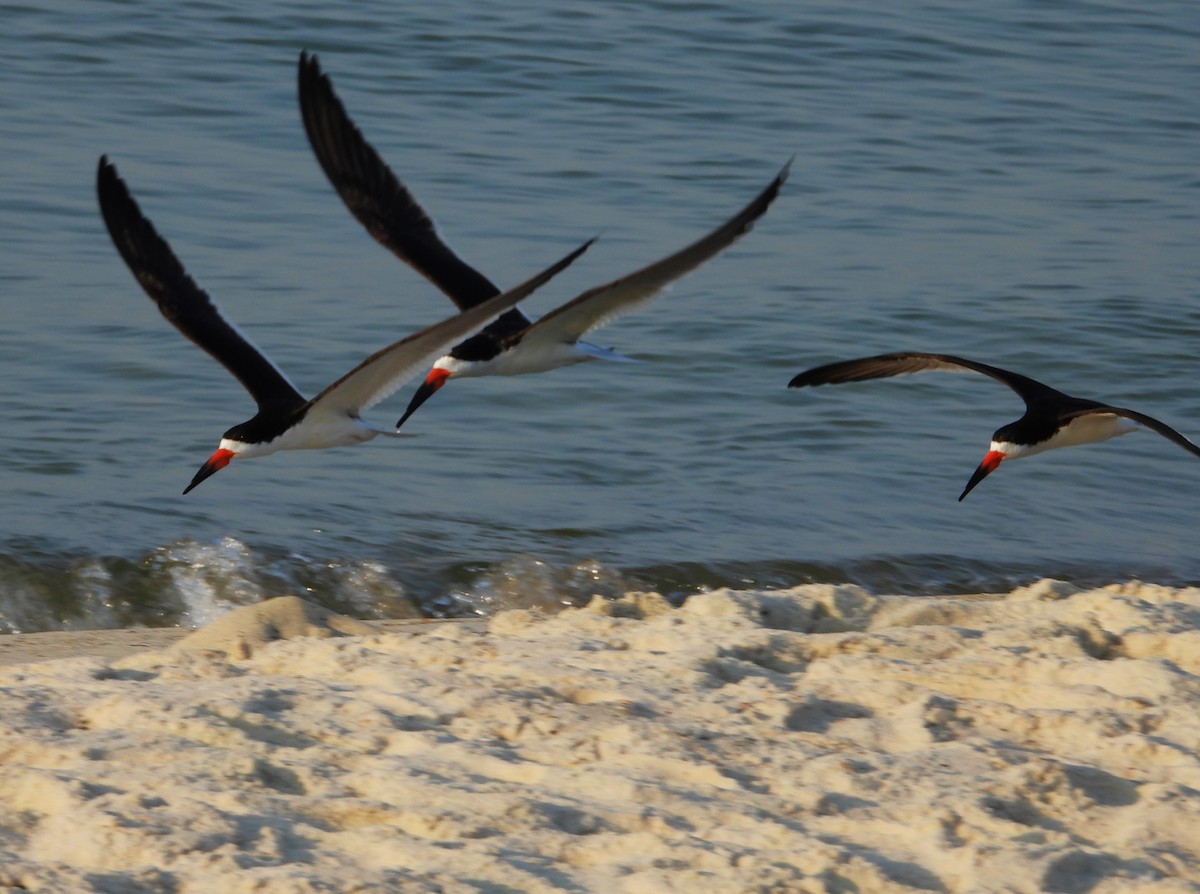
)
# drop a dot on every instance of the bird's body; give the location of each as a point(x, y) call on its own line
point(514, 344)
point(285, 420)
point(1091, 427)
point(1052, 418)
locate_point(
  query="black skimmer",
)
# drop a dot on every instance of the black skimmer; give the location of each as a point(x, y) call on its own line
point(286, 420)
point(1052, 419)
point(514, 344)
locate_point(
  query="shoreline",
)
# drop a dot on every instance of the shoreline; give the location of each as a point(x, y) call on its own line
point(815, 739)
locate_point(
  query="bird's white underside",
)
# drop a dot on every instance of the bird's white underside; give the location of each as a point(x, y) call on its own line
point(1089, 429)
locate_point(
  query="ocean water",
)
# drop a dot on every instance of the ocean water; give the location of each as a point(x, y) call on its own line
point(1016, 182)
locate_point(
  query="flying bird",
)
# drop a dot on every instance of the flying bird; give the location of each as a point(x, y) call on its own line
point(286, 420)
point(1052, 419)
point(514, 344)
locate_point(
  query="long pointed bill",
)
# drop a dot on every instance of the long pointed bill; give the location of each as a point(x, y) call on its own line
point(216, 463)
point(435, 380)
point(985, 468)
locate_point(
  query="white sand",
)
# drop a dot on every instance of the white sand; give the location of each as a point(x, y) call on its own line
point(811, 740)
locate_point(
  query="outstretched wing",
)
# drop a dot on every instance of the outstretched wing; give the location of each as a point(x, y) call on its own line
point(386, 370)
point(185, 305)
point(375, 195)
point(883, 366)
point(601, 305)
point(1141, 418)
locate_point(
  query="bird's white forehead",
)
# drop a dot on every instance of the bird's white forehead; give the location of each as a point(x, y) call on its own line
point(243, 449)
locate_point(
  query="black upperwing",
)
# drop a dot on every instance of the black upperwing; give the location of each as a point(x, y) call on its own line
point(882, 366)
point(380, 202)
point(185, 305)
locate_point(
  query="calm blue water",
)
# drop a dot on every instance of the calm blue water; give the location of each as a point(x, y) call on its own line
point(1015, 182)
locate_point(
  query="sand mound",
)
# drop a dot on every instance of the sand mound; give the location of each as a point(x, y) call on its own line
point(239, 632)
point(811, 740)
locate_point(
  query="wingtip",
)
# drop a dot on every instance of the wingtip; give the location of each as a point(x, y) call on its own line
point(307, 69)
point(786, 170)
point(109, 184)
point(569, 259)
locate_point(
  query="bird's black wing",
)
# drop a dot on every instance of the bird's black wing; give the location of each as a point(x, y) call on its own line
point(185, 305)
point(377, 198)
point(884, 366)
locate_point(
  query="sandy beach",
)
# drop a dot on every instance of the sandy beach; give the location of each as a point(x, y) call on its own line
point(817, 739)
